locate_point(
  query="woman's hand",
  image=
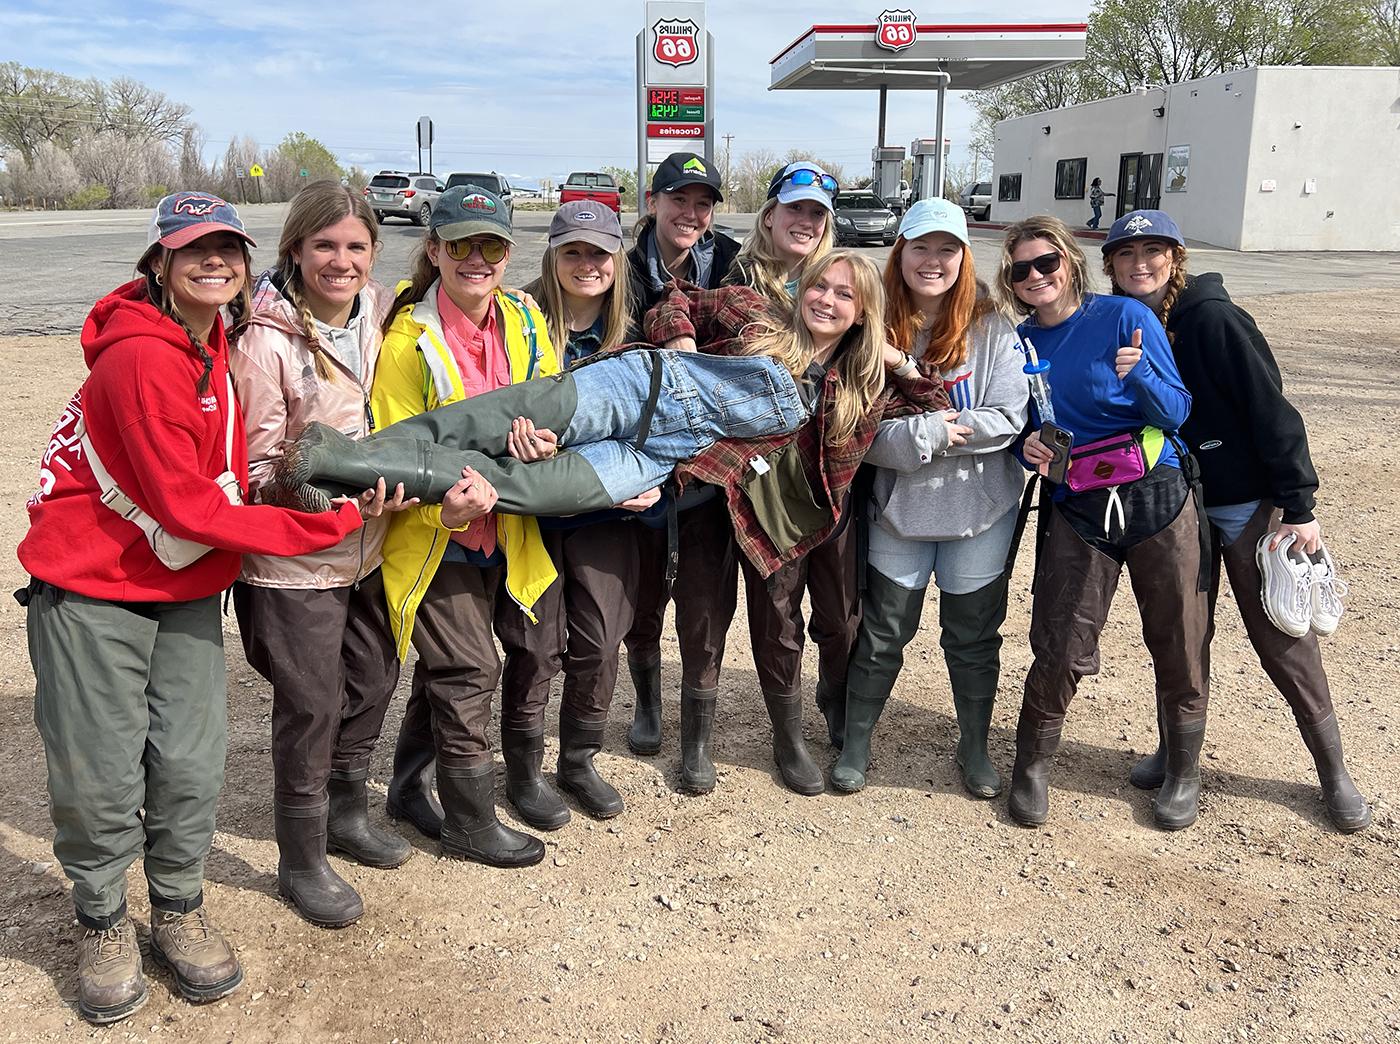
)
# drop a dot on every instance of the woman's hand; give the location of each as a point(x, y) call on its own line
point(469, 499)
point(682, 344)
point(1128, 356)
point(957, 433)
point(1037, 454)
point(528, 443)
point(375, 502)
point(641, 501)
point(1307, 536)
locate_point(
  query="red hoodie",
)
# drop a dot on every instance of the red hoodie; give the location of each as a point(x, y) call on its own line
point(163, 444)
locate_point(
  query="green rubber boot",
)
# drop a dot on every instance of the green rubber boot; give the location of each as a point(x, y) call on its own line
point(889, 618)
point(971, 640)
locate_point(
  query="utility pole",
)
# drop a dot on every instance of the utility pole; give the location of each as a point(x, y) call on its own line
point(727, 186)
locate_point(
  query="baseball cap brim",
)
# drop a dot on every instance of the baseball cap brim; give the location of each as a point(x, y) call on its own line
point(695, 180)
point(464, 229)
point(182, 237)
point(792, 193)
point(1109, 244)
point(601, 240)
point(935, 223)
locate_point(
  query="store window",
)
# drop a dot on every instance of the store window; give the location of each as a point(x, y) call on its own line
point(1069, 178)
point(1009, 188)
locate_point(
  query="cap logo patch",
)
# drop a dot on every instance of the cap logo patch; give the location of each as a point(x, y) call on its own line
point(1138, 225)
point(694, 165)
point(199, 206)
point(585, 215)
point(476, 201)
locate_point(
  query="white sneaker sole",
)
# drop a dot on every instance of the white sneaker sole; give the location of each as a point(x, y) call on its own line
point(1261, 560)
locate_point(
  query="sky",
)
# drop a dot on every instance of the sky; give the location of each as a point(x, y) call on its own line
point(531, 89)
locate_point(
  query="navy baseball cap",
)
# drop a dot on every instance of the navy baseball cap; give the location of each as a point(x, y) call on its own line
point(183, 217)
point(1143, 224)
point(470, 210)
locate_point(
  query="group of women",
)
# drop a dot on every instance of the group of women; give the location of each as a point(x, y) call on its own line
point(461, 464)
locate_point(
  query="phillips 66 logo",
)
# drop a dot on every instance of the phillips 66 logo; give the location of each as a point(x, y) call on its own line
point(896, 30)
point(675, 41)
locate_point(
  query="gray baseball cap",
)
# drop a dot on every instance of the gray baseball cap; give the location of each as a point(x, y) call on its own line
point(470, 210)
point(586, 221)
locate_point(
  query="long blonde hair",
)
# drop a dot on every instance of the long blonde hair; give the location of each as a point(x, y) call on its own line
point(760, 265)
point(1042, 226)
point(1176, 282)
point(617, 308)
point(319, 205)
point(859, 359)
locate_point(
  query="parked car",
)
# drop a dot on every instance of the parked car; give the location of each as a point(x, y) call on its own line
point(976, 200)
point(392, 193)
point(862, 216)
point(590, 184)
point(494, 183)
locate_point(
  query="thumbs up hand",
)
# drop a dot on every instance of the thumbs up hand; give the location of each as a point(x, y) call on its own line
point(1128, 356)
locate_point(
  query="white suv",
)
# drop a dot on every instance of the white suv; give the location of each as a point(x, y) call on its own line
point(392, 193)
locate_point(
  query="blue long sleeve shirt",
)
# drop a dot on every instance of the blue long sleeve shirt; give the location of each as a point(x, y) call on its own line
point(1089, 399)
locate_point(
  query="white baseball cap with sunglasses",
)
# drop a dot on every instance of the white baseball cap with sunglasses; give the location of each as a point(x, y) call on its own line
point(804, 180)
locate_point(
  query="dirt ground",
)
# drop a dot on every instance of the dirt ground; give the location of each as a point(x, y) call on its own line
point(908, 911)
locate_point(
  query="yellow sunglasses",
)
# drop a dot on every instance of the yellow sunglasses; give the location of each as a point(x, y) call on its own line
point(492, 249)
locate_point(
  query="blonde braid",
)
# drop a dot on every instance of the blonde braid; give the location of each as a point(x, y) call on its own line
point(1176, 283)
point(324, 369)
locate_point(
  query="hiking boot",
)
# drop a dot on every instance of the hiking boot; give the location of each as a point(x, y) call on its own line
point(644, 736)
point(201, 959)
point(1287, 588)
point(349, 831)
point(1327, 593)
point(798, 770)
point(578, 743)
point(470, 829)
point(697, 722)
point(535, 801)
point(110, 983)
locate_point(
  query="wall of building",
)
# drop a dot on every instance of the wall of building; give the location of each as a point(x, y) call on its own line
point(1239, 128)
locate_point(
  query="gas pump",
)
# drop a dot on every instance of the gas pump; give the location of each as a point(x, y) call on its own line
point(885, 178)
point(925, 154)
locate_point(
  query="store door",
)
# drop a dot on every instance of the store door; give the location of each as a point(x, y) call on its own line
point(1139, 181)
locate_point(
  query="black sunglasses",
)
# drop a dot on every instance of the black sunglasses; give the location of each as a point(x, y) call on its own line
point(1045, 264)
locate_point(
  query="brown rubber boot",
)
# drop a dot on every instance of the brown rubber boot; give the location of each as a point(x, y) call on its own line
point(196, 952)
point(110, 983)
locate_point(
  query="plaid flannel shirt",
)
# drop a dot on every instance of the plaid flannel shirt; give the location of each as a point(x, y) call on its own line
point(719, 320)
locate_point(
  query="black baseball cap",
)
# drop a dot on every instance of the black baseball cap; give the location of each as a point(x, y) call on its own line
point(685, 168)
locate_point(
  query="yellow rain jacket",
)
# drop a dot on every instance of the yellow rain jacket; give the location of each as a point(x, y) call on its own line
point(417, 372)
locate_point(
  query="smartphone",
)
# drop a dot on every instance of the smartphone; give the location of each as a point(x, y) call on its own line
point(1059, 442)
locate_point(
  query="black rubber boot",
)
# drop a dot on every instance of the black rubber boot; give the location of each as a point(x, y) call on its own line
point(889, 617)
point(578, 743)
point(798, 770)
point(697, 721)
point(644, 736)
point(470, 829)
point(1178, 801)
point(1149, 772)
point(411, 788)
point(1036, 743)
point(1345, 805)
point(317, 892)
point(971, 640)
point(349, 831)
point(529, 792)
point(831, 701)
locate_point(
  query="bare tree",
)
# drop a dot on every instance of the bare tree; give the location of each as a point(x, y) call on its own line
point(129, 107)
point(1381, 29)
point(750, 180)
point(125, 168)
point(50, 174)
point(38, 105)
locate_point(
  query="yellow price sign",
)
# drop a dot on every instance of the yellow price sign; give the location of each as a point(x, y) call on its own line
point(255, 171)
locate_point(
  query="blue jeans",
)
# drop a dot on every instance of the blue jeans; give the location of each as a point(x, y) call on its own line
point(704, 398)
point(1098, 213)
point(958, 566)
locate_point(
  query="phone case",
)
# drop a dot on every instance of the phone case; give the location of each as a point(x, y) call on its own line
point(1059, 442)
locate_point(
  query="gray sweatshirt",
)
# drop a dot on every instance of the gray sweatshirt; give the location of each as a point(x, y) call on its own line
point(928, 490)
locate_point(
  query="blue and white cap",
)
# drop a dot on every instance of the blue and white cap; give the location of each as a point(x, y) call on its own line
point(1143, 224)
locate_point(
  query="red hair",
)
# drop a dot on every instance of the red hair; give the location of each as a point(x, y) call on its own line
point(947, 342)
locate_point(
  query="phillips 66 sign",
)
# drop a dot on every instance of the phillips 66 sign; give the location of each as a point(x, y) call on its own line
point(896, 30)
point(675, 42)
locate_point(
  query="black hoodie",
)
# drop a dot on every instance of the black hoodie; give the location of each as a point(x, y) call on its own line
point(1249, 439)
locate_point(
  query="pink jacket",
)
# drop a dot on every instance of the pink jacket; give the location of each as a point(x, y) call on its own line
point(274, 374)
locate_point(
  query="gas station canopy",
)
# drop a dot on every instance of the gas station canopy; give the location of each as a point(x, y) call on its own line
point(955, 57)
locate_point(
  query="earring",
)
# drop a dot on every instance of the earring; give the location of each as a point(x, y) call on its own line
point(159, 280)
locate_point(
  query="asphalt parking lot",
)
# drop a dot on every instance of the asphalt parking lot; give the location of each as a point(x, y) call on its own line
point(54, 265)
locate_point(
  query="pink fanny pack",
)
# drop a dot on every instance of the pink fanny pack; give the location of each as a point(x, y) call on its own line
point(1108, 462)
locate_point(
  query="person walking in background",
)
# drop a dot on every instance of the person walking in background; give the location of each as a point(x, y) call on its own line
point(1096, 198)
point(309, 353)
point(943, 504)
point(1258, 479)
point(137, 526)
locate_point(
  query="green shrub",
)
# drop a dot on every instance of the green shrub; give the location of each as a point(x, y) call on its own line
point(92, 197)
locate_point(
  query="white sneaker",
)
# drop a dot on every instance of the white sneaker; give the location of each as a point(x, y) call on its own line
point(1327, 593)
point(1287, 588)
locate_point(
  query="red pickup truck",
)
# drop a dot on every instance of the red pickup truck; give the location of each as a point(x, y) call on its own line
point(588, 184)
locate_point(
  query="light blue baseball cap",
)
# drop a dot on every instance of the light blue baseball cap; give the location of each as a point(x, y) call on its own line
point(934, 215)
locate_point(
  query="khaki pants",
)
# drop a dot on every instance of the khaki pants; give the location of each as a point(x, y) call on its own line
point(130, 700)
